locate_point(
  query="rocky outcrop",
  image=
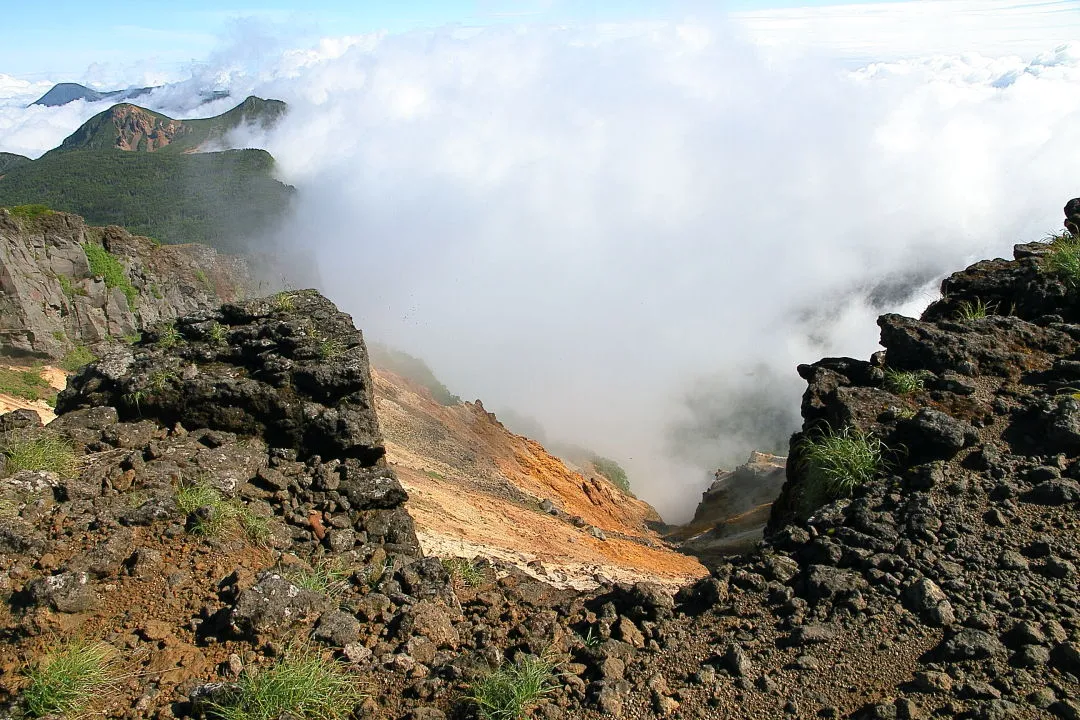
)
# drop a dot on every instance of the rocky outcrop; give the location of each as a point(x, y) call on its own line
point(51, 300)
point(733, 511)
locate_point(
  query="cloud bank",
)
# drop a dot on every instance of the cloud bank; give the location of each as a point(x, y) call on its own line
point(633, 233)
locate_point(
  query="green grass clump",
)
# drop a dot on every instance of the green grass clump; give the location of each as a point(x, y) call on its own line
point(284, 301)
point(972, 310)
point(211, 514)
point(904, 382)
point(30, 212)
point(838, 461)
point(507, 693)
point(612, 471)
point(1064, 258)
point(66, 681)
point(106, 265)
point(69, 288)
point(464, 570)
point(77, 357)
point(25, 384)
point(217, 333)
point(38, 450)
point(302, 685)
point(168, 336)
point(327, 577)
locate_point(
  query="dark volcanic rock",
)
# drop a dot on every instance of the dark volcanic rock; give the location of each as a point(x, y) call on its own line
point(290, 368)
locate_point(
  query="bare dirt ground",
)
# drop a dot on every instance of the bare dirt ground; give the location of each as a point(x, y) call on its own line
point(53, 375)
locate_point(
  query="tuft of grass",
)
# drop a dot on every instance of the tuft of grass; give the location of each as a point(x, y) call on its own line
point(284, 301)
point(217, 334)
point(133, 338)
point(464, 570)
point(77, 357)
point(1064, 258)
point(168, 336)
point(38, 450)
point(201, 277)
point(904, 382)
point(211, 514)
point(331, 349)
point(107, 266)
point(67, 680)
point(377, 571)
point(326, 576)
point(510, 691)
point(838, 461)
point(160, 379)
point(302, 685)
point(968, 310)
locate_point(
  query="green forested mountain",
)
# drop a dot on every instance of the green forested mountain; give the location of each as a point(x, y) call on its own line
point(218, 199)
point(10, 160)
point(133, 167)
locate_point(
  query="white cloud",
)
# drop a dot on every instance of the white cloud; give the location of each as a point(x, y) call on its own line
point(587, 225)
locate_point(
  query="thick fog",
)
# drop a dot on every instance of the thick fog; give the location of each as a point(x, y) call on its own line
point(633, 234)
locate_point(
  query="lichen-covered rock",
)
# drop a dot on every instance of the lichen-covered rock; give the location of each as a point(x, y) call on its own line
point(273, 605)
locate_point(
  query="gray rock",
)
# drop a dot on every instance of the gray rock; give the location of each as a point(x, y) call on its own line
point(273, 605)
point(67, 592)
point(337, 628)
point(970, 644)
point(926, 599)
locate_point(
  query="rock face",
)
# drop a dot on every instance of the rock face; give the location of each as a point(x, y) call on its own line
point(50, 299)
point(733, 511)
point(291, 370)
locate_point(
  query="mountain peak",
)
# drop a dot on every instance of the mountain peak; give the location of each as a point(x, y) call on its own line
point(133, 128)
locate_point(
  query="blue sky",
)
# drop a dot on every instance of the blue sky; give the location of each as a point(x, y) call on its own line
point(74, 34)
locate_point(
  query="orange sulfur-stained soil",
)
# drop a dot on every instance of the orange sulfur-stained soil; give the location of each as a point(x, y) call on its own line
point(475, 488)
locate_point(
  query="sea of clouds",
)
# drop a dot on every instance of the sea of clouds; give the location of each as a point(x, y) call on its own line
point(632, 233)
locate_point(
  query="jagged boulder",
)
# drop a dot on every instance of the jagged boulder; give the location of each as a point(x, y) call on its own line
point(291, 369)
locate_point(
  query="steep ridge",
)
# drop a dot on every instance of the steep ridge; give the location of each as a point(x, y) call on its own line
point(54, 298)
point(734, 510)
point(136, 129)
point(476, 488)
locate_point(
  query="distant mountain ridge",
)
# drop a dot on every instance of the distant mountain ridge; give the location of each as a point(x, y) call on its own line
point(134, 128)
point(64, 93)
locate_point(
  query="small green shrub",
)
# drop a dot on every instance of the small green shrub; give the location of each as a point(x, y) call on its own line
point(76, 358)
point(507, 693)
point(836, 462)
point(968, 310)
point(160, 380)
point(107, 266)
point(613, 472)
point(38, 450)
point(302, 684)
point(65, 682)
point(464, 570)
point(201, 277)
point(1063, 259)
point(904, 382)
